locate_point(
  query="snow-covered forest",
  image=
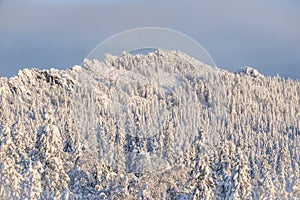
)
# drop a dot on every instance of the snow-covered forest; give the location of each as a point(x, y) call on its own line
point(155, 126)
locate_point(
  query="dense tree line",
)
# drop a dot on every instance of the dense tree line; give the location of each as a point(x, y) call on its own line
point(162, 125)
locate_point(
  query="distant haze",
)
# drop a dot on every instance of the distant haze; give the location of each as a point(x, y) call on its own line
point(264, 35)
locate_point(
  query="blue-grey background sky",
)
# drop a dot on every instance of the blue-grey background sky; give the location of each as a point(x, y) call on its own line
point(60, 33)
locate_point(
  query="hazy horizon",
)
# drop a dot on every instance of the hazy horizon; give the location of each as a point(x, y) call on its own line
point(264, 35)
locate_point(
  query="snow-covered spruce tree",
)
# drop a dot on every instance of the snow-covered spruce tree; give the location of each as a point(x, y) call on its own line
point(48, 150)
point(202, 184)
point(222, 165)
point(168, 140)
point(69, 143)
point(268, 191)
point(241, 178)
point(10, 177)
point(33, 177)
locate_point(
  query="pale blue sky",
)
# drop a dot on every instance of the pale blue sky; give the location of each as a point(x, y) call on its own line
point(44, 34)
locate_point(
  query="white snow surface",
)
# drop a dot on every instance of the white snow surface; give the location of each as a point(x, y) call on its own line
point(156, 126)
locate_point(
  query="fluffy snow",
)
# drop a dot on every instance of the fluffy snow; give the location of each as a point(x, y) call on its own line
point(156, 126)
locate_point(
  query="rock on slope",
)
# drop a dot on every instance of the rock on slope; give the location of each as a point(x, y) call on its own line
point(156, 126)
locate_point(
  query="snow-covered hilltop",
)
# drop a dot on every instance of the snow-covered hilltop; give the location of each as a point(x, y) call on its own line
point(155, 126)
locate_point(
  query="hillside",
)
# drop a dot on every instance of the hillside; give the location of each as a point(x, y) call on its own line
point(155, 126)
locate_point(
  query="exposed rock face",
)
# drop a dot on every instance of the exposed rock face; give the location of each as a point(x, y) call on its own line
point(251, 72)
point(156, 126)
